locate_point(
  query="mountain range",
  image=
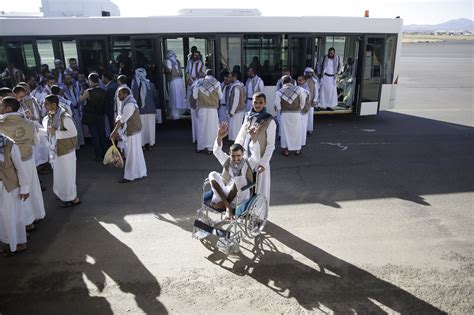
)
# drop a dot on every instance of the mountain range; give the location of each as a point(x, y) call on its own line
point(453, 25)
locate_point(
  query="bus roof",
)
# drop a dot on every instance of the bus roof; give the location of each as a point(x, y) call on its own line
point(63, 26)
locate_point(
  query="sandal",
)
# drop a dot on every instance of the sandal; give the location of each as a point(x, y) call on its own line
point(285, 153)
point(68, 204)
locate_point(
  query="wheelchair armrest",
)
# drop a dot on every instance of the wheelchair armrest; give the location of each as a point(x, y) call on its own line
point(248, 186)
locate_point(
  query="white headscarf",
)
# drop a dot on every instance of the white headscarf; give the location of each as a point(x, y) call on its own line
point(140, 78)
point(171, 55)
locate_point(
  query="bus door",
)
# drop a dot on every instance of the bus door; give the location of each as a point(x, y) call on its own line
point(229, 54)
point(301, 54)
point(372, 55)
point(146, 54)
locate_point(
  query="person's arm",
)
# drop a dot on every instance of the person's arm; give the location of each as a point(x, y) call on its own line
point(302, 95)
point(265, 160)
point(254, 147)
point(168, 65)
point(127, 112)
point(219, 91)
point(195, 92)
point(70, 131)
point(23, 177)
point(217, 149)
point(278, 101)
point(84, 96)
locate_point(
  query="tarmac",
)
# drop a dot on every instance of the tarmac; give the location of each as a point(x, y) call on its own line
point(374, 217)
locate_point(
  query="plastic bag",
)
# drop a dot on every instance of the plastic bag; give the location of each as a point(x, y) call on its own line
point(113, 157)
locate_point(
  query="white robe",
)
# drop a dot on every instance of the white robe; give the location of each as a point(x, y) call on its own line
point(148, 128)
point(34, 205)
point(135, 166)
point(64, 166)
point(310, 122)
point(40, 149)
point(207, 122)
point(304, 128)
point(206, 127)
point(263, 179)
point(237, 118)
point(177, 96)
point(290, 123)
point(12, 226)
point(328, 96)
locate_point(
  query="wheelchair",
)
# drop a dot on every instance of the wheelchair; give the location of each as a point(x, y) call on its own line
point(250, 217)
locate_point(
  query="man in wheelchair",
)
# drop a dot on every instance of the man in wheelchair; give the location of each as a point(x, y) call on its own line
point(237, 171)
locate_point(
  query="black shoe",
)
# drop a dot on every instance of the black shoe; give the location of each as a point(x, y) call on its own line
point(123, 181)
point(329, 109)
point(147, 146)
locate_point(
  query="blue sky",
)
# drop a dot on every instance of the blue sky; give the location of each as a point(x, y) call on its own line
point(413, 12)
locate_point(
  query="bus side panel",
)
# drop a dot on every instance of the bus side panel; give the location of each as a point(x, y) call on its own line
point(269, 92)
point(386, 97)
point(368, 108)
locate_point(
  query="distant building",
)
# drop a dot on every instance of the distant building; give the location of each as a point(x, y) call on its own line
point(59, 8)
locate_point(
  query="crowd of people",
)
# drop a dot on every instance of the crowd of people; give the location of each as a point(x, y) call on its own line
point(45, 119)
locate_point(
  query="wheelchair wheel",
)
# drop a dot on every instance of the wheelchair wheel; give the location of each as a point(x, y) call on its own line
point(256, 217)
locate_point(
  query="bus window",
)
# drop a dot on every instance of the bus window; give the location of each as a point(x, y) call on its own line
point(16, 62)
point(373, 69)
point(93, 55)
point(389, 58)
point(29, 57)
point(144, 56)
point(230, 57)
point(122, 55)
point(206, 47)
point(4, 75)
point(300, 54)
point(69, 50)
point(266, 54)
point(46, 52)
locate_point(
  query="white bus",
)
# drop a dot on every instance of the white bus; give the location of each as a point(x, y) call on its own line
point(232, 42)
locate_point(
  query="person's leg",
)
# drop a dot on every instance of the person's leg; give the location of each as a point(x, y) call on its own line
point(102, 138)
point(94, 131)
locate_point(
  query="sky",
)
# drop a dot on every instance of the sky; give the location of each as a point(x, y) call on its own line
point(412, 12)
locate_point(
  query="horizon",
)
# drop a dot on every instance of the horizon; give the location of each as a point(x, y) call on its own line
point(412, 12)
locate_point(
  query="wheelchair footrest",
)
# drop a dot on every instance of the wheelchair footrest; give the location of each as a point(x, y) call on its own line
point(211, 230)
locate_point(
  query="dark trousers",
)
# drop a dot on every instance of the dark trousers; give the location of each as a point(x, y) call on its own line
point(99, 141)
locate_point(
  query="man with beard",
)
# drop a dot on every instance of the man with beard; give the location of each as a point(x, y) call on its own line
point(328, 68)
point(237, 171)
point(266, 140)
point(129, 125)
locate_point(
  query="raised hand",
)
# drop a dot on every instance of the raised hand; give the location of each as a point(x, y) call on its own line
point(223, 130)
point(253, 131)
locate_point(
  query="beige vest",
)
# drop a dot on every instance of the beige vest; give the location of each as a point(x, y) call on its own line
point(208, 101)
point(226, 173)
point(262, 133)
point(22, 132)
point(293, 107)
point(67, 145)
point(134, 123)
point(8, 173)
point(241, 105)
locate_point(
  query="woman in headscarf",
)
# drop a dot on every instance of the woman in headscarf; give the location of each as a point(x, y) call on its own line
point(145, 93)
point(174, 76)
